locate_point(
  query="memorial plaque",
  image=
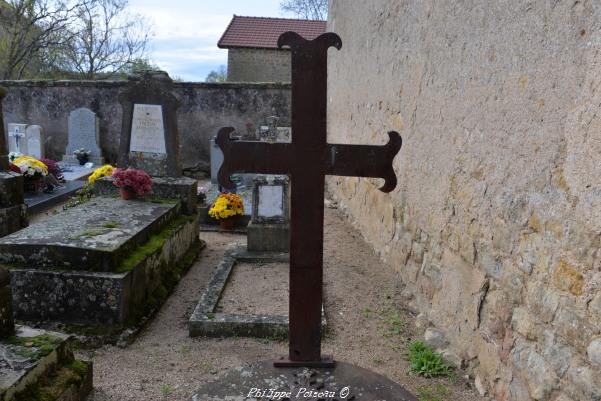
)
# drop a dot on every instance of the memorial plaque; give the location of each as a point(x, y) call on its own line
point(147, 130)
point(270, 201)
point(34, 136)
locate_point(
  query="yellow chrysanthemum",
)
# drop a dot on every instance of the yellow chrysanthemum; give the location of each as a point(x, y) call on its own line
point(227, 205)
point(103, 171)
point(30, 166)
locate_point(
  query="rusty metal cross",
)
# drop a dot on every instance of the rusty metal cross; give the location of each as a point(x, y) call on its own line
point(307, 159)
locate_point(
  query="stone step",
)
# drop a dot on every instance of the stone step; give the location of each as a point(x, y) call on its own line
point(95, 236)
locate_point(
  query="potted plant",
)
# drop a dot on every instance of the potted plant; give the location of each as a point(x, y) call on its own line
point(82, 155)
point(226, 207)
point(132, 182)
point(33, 172)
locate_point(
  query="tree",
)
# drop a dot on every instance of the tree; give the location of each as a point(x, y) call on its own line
point(28, 28)
point(105, 39)
point(306, 9)
point(217, 76)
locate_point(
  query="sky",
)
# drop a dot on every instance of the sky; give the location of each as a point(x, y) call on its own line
point(186, 31)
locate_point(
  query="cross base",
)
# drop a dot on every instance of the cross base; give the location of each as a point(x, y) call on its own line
point(326, 361)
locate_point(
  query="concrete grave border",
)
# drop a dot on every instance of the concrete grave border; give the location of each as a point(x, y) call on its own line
point(206, 322)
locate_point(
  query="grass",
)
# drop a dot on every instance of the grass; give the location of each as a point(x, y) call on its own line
point(34, 347)
point(366, 313)
point(167, 390)
point(424, 361)
point(436, 393)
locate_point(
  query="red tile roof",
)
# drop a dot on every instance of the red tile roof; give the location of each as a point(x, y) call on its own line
point(263, 33)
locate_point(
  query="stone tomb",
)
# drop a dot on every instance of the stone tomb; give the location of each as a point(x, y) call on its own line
point(100, 262)
point(83, 132)
point(33, 362)
point(209, 318)
point(149, 134)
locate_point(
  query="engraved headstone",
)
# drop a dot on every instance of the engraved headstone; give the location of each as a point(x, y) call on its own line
point(83, 132)
point(269, 228)
point(16, 138)
point(149, 135)
point(34, 139)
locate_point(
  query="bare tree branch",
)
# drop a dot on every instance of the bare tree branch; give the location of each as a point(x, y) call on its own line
point(306, 9)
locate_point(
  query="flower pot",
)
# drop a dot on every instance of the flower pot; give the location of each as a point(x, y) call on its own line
point(226, 224)
point(82, 160)
point(127, 194)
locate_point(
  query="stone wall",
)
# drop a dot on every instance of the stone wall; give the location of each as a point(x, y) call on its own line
point(204, 109)
point(258, 65)
point(494, 226)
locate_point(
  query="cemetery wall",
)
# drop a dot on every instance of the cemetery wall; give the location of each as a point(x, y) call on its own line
point(204, 109)
point(258, 65)
point(494, 226)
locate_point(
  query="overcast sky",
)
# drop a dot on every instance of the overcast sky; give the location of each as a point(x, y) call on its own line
point(186, 31)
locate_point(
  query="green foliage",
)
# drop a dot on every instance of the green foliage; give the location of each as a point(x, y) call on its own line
point(34, 347)
point(81, 196)
point(395, 324)
point(167, 390)
point(437, 393)
point(217, 76)
point(424, 361)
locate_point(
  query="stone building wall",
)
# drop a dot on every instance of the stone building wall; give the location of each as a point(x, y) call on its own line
point(258, 65)
point(495, 224)
point(204, 109)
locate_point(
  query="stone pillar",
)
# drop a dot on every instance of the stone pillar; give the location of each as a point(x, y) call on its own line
point(269, 227)
point(7, 324)
point(13, 212)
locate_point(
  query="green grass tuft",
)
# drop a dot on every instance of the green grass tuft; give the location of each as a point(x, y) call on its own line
point(438, 393)
point(424, 361)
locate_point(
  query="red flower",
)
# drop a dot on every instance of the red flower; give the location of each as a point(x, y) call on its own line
point(136, 180)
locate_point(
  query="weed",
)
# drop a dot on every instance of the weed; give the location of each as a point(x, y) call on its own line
point(366, 312)
point(167, 390)
point(438, 393)
point(424, 361)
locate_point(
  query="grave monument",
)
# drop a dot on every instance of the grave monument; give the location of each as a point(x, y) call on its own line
point(83, 133)
point(269, 230)
point(149, 135)
point(34, 137)
point(16, 138)
point(307, 159)
point(13, 211)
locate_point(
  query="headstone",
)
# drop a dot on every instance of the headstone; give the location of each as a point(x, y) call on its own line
point(83, 132)
point(149, 134)
point(34, 138)
point(216, 160)
point(16, 138)
point(307, 160)
point(269, 229)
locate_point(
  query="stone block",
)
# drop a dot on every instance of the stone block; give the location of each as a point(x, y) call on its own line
point(7, 324)
point(268, 237)
point(13, 219)
point(11, 189)
point(183, 188)
point(593, 352)
point(435, 338)
point(585, 383)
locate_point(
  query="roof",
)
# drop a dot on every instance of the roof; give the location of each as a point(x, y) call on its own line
point(263, 32)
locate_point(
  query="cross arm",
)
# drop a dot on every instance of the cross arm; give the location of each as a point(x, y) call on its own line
point(250, 157)
point(365, 160)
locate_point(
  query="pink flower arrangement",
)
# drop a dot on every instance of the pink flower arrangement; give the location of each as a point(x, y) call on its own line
point(137, 181)
point(53, 168)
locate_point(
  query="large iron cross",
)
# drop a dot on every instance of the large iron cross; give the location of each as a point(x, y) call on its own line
point(307, 159)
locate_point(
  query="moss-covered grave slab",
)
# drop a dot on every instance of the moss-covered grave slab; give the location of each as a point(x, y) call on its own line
point(39, 365)
point(94, 236)
point(101, 262)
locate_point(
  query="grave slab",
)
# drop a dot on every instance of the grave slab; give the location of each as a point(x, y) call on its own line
point(208, 321)
point(40, 201)
point(95, 236)
point(263, 381)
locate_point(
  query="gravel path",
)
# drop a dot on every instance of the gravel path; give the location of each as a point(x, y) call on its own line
point(370, 327)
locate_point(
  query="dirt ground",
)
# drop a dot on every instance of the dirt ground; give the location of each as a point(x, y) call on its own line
point(370, 327)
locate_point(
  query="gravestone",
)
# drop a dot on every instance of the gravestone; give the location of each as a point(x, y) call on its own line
point(16, 138)
point(149, 134)
point(13, 211)
point(307, 160)
point(83, 132)
point(269, 228)
point(34, 138)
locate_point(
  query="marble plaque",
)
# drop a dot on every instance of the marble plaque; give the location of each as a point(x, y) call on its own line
point(83, 132)
point(147, 130)
point(270, 201)
point(34, 135)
